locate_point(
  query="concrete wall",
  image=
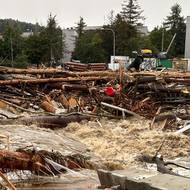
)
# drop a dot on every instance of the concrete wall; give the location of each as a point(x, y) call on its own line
point(187, 43)
point(69, 40)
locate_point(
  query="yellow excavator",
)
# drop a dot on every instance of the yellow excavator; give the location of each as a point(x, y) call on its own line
point(146, 53)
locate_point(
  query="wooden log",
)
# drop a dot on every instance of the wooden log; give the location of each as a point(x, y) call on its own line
point(170, 74)
point(53, 121)
point(121, 109)
point(178, 80)
point(20, 161)
point(70, 87)
point(53, 80)
point(146, 79)
point(8, 70)
point(158, 88)
point(165, 116)
point(63, 100)
point(39, 161)
point(63, 73)
point(47, 106)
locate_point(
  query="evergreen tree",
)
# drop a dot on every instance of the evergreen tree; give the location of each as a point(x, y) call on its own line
point(155, 37)
point(111, 17)
point(23, 26)
point(52, 40)
point(46, 46)
point(80, 27)
point(35, 48)
point(89, 49)
point(177, 26)
point(132, 12)
point(125, 35)
point(13, 43)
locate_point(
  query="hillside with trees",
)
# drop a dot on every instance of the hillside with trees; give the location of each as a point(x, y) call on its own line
point(45, 46)
point(23, 26)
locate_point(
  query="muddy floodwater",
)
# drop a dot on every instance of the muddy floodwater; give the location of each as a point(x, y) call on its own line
point(109, 143)
point(118, 143)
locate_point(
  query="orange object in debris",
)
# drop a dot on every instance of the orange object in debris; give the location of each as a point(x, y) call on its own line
point(47, 106)
point(110, 91)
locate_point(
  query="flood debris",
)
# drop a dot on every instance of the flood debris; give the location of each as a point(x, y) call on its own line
point(141, 93)
point(41, 162)
point(118, 115)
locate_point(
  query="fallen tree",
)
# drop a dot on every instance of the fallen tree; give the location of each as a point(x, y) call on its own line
point(45, 121)
point(52, 71)
point(53, 80)
point(54, 121)
point(41, 162)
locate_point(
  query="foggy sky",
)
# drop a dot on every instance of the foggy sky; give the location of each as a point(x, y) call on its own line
point(94, 12)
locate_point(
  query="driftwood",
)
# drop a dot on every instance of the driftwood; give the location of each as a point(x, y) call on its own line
point(54, 121)
point(20, 161)
point(9, 183)
point(161, 164)
point(146, 79)
point(178, 80)
point(52, 80)
point(7, 70)
point(165, 116)
point(41, 162)
point(52, 71)
point(158, 88)
point(46, 121)
point(164, 74)
point(120, 109)
point(76, 87)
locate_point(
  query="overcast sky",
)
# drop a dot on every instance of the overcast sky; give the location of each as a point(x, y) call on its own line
point(94, 12)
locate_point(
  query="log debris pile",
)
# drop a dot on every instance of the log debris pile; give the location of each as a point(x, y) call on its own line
point(72, 66)
point(160, 96)
point(41, 162)
point(51, 90)
point(55, 97)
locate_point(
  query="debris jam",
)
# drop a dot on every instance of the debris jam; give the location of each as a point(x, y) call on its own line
point(55, 122)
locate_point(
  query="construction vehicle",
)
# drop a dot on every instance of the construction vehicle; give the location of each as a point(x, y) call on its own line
point(162, 60)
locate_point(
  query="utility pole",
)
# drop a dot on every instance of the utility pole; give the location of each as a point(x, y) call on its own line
point(114, 40)
point(162, 39)
point(11, 44)
point(51, 54)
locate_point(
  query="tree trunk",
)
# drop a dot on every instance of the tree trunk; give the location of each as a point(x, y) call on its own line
point(52, 80)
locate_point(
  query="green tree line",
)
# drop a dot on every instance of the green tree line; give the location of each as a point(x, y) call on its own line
point(44, 46)
point(97, 46)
